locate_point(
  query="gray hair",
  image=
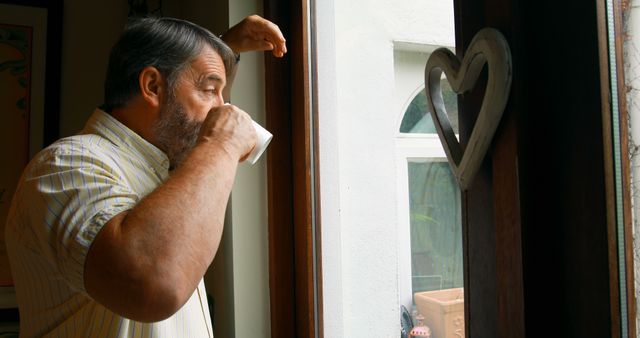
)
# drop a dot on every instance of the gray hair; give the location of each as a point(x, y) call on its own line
point(167, 44)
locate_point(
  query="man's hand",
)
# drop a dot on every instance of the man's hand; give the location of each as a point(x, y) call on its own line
point(255, 33)
point(230, 128)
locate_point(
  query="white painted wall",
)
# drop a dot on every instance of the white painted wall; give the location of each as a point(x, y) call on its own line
point(357, 128)
point(249, 199)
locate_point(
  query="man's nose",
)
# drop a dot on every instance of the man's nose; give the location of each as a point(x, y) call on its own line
point(219, 99)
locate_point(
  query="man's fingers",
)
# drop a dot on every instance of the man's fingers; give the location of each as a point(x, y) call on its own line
point(265, 45)
point(278, 50)
point(277, 39)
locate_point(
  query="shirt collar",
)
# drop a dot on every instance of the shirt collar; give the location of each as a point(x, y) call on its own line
point(103, 124)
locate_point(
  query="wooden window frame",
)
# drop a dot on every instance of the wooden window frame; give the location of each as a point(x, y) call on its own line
point(627, 219)
point(295, 266)
point(509, 244)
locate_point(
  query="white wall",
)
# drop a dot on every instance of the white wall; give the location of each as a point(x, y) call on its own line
point(358, 120)
point(249, 200)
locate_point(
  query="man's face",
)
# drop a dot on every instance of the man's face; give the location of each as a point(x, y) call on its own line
point(197, 90)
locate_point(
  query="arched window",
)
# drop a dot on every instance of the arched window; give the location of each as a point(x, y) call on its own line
point(417, 118)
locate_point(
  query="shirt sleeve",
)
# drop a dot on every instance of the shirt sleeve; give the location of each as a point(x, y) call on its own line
point(72, 192)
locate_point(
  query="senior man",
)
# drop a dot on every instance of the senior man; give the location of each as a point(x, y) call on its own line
point(111, 231)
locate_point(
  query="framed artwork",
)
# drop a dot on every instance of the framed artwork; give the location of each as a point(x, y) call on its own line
point(30, 36)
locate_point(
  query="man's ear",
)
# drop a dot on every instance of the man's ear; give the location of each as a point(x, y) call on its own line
point(151, 85)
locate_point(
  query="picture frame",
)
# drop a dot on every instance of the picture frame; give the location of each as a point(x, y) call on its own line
point(30, 59)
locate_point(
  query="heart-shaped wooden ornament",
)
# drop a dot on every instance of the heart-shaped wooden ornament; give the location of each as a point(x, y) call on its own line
point(488, 47)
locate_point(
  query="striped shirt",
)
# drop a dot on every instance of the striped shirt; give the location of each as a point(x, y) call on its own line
point(65, 196)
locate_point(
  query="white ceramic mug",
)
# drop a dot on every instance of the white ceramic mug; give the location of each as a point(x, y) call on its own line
point(263, 138)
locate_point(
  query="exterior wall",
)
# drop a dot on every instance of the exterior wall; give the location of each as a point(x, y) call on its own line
point(357, 126)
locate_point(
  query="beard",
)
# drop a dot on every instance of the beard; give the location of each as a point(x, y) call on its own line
point(175, 133)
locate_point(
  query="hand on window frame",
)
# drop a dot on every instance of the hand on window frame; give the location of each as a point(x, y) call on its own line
point(255, 33)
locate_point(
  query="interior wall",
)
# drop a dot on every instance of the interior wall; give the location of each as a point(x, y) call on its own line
point(249, 199)
point(89, 30)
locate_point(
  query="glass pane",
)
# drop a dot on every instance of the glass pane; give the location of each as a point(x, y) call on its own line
point(436, 231)
point(417, 118)
point(373, 80)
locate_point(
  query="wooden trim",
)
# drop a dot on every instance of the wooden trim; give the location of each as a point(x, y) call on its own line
point(614, 291)
point(290, 185)
point(626, 169)
point(280, 184)
point(494, 286)
point(509, 269)
point(301, 147)
point(609, 167)
point(316, 166)
point(509, 279)
point(539, 221)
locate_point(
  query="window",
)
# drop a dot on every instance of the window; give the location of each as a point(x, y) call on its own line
point(371, 146)
point(430, 229)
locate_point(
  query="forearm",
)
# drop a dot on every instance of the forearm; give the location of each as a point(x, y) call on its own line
point(147, 262)
point(181, 222)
